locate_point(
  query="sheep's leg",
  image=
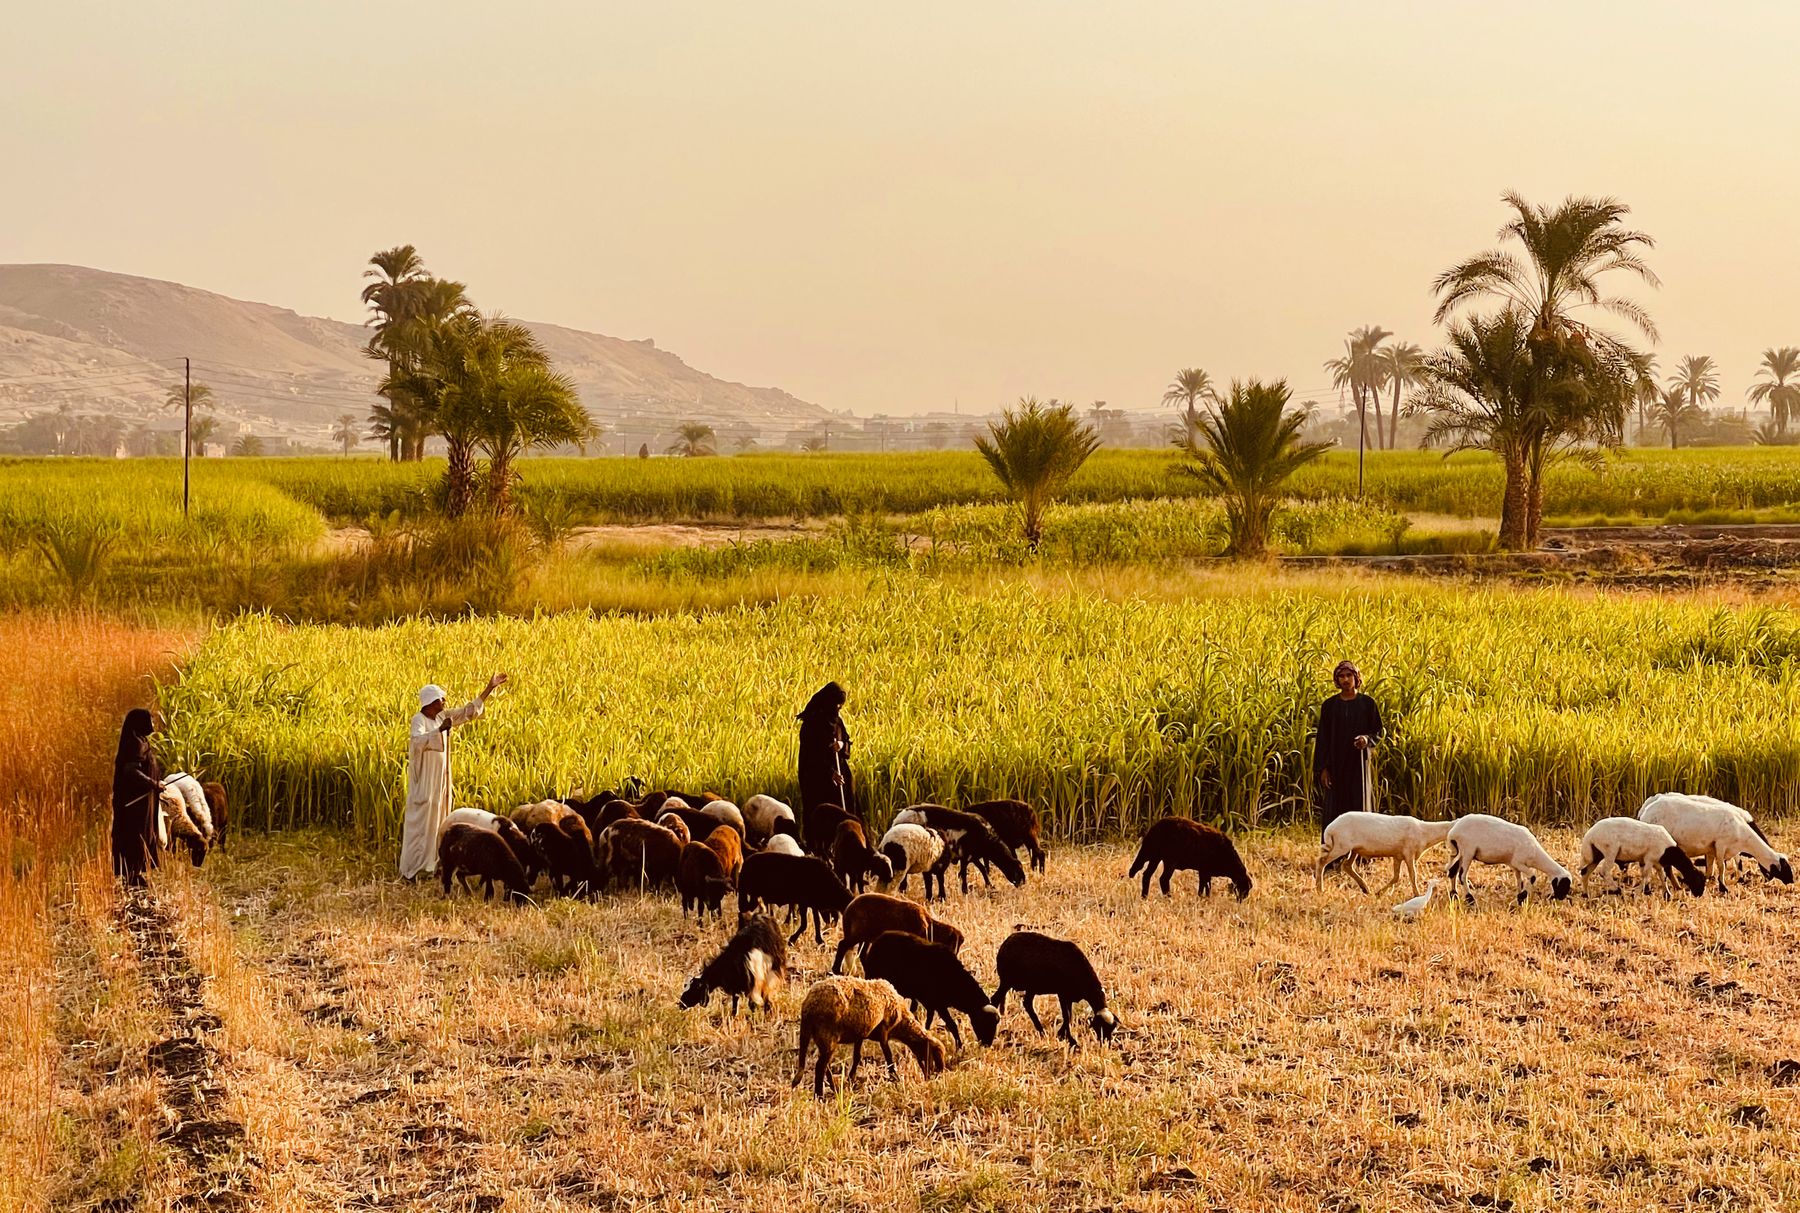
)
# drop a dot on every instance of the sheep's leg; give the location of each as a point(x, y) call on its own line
point(1031, 1010)
point(1068, 1023)
point(822, 1073)
point(1393, 880)
point(1716, 862)
point(855, 1060)
point(1148, 873)
point(1354, 874)
point(887, 1051)
point(950, 1023)
point(1412, 872)
point(837, 962)
point(1524, 892)
point(799, 930)
point(1168, 874)
point(999, 998)
point(818, 926)
point(1205, 889)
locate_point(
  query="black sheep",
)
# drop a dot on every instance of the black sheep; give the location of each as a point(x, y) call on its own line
point(568, 851)
point(855, 863)
point(1178, 844)
point(753, 961)
point(1017, 825)
point(930, 974)
point(700, 879)
point(634, 851)
point(467, 850)
point(805, 882)
point(526, 851)
point(1035, 964)
point(820, 831)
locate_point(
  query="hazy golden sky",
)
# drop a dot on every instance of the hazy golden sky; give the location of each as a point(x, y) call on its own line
point(894, 207)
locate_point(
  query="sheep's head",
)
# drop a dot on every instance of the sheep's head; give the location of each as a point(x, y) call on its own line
point(1009, 865)
point(986, 1021)
point(1104, 1024)
point(695, 994)
point(1781, 870)
point(1559, 887)
point(1241, 884)
point(1676, 863)
point(880, 869)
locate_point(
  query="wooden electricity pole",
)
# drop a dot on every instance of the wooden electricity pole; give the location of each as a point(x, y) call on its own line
point(187, 427)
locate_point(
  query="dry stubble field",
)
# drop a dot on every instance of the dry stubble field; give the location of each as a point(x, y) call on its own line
point(386, 1048)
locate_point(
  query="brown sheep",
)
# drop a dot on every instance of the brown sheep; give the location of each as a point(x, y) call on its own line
point(852, 859)
point(850, 1010)
point(1017, 825)
point(869, 914)
point(728, 844)
point(675, 826)
point(1179, 844)
point(215, 800)
point(821, 827)
point(467, 850)
point(700, 879)
point(632, 851)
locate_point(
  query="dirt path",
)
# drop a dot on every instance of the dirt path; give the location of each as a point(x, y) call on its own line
point(187, 1062)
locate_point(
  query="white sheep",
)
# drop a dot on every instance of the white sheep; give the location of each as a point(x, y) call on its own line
point(182, 812)
point(1378, 836)
point(1482, 838)
point(1702, 826)
point(1618, 841)
point(765, 815)
point(911, 848)
point(479, 818)
point(725, 811)
point(783, 844)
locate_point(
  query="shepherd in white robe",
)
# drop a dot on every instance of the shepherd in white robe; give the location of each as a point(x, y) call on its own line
point(428, 792)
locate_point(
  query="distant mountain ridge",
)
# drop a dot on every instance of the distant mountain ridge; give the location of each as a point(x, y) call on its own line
point(101, 342)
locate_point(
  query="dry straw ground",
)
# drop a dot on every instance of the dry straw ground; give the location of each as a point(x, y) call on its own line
point(386, 1048)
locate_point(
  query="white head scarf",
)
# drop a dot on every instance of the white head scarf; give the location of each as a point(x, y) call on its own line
point(430, 694)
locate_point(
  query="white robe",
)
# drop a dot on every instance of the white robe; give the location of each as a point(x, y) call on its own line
point(428, 787)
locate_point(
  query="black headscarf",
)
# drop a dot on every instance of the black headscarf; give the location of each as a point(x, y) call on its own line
point(134, 737)
point(825, 703)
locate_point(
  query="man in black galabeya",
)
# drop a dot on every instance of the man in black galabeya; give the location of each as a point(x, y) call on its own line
point(1349, 727)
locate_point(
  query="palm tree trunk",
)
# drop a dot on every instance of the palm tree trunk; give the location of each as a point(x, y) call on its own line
point(1513, 504)
point(1394, 418)
point(459, 477)
point(1380, 434)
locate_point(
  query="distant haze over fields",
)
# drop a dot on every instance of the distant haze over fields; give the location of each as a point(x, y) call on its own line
point(113, 343)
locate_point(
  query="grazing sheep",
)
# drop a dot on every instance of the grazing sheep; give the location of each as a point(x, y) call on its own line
point(530, 858)
point(1716, 830)
point(912, 848)
point(855, 863)
point(728, 844)
point(805, 882)
point(748, 967)
point(768, 817)
point(701, 880)
point(930, 975)
point(1182, 845)
point(698, 824)
point(633, 852)
point(821, 827)
point(673, 824)
point(183, 813)
point(1378, 836)
point(1619, 841)
point(1017, 825)
point(565, 842)
point(871, 914)
point(465, 850)
point(967, 839)
point(1482, 838)
point(1035, 964)
point(850, 1010)
point(725, 811)
point(782, 844)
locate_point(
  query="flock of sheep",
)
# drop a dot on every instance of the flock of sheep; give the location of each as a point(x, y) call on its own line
point(911, 960)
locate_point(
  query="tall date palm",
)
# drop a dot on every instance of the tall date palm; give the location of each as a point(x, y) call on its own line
point(1778, 386)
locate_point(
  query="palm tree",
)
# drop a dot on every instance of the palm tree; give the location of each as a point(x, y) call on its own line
point(1034, 449)
point(201, 432)
point(344, 434)
point(177, 395)
point(1251, 446)
point(1584, 378)
point(1402, 366)
point(1673, 411)
point(1478, 390)
point(1644, 396)
point(696, 438)
point(514, 401)
point(1360, 369)
point(248, 445)
point(1189, 388)
point(1778, 386)
point(1698, 380)
point(394, 271)
point(407, 305)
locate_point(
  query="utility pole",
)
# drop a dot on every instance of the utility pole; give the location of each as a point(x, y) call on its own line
point(187, 426)
point(1362, 432)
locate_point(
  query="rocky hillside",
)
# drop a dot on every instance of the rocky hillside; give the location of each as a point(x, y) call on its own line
point(100, 342)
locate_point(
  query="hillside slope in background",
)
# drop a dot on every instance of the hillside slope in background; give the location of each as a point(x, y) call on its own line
point(100, 342)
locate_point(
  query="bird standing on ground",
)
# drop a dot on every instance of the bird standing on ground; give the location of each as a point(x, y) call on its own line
point(1413, 907)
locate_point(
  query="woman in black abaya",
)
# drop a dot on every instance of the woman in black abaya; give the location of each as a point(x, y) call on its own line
point(825, 753)
point(137, 779)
